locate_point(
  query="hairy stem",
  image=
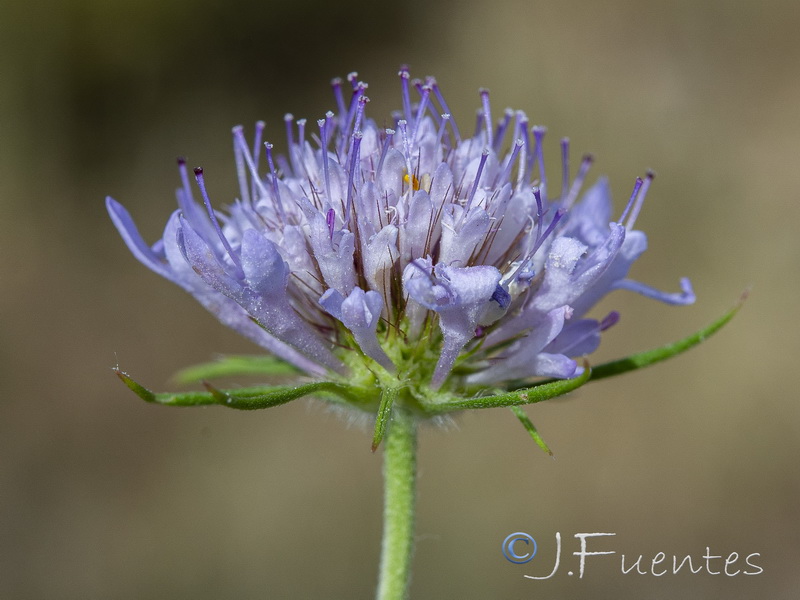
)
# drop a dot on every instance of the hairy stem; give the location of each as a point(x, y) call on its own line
point(399, 472)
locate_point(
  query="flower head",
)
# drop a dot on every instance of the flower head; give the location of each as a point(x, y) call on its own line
point(411, 254)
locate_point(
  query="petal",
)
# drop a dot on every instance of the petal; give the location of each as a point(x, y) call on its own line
point(130, 235)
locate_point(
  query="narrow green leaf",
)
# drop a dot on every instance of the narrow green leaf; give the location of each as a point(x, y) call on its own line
point(388, 396)
point(240, 398)
point(531, 395)
point(649, 357)
point(232, 366)
point(528, 425)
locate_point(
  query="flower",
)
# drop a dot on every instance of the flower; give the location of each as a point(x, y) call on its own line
point(409, 254)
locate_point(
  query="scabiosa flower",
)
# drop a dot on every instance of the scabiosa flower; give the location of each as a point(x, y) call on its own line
point(412, 252)
point(408, 271)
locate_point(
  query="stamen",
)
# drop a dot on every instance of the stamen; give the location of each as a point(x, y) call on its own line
point(484, 156)
point(487, 115)
point(404, 76)
point(438, 93)
point(362, 103)
point(539, 212)
point(564, 166)
point(506, 174)
point(354, 164)
point(241, 172)
point(288, 119)
point(336, 83)
point(275, 191)
point(187, 189)
point(241, 145)
point(323, 132)
point(301, 132)
point(352, 77)
point(538, 136)
point(198, 173)
point(442, 127)
point(502, 127)
point(522, 126)
point(355, 103)
point(636, 187)
point(402, 125)
point(637, 206)
point(260, 126)
point(386, 143)
point(586, 163)
point(423, 106)
point(556, 218)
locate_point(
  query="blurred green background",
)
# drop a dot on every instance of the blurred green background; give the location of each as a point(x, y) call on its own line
point(103, 496)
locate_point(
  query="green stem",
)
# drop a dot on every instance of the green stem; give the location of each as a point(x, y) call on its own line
point(399, 473)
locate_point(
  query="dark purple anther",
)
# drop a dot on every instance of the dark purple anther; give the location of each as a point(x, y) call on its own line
point(330, 219)
point(609, 320)
point(502, 297)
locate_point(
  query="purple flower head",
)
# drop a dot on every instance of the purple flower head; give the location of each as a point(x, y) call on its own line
point(410, 252)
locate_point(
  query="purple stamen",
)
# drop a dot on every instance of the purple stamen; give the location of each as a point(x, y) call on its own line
point(440, 98)
point(354, 164)
point(550, 228)
point(288, 119)
point(539, 212)
point(564, 166)
point(355, 103)
point(502, 127)
point(198, 174)
point(586, 163)
point(442, 128)
point(187, 189)
point(636, 187)
point(275, 191)
point(301, 132)
point(423, 106)
point(323, 132)
point(479, 122)
point(241, 172)
point(637, 206)
point(336, 83)
point(538, 136)
point(386, 143)
point(260, 126)
point(352, 77)
point(506, 174)
point(487, 115)
point(362, 103)
point(404, 76)
point(522, 125)
point(484, 156)
point(403, 127)
point(240, 144)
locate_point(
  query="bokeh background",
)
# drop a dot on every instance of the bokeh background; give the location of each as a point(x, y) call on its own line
point(103, 496)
